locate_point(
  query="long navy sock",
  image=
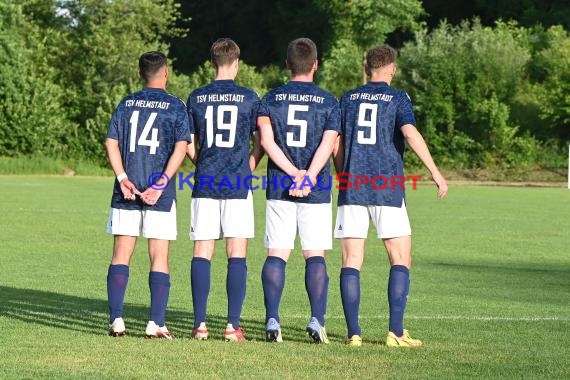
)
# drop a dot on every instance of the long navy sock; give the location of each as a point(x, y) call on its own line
point(117, 280)
point(236, 281)
point(350, 295)
point(159, 284)
point(398, 288)
point(317, 285)
point(200, 280)
point(273, 280)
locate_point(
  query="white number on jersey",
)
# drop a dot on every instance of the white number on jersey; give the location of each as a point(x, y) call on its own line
point(367, 123)
point(302, 124)
point(229, 126)
point(153, 143)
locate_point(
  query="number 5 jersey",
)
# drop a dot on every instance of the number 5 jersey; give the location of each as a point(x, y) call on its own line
point(300, 113)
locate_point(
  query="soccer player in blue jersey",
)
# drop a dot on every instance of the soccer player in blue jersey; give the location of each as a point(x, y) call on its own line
point(223, 119)
point(377, 120)
point(146, 143)
point(299, 124)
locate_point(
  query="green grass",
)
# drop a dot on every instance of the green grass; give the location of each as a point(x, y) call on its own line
point(490, 293)
point(49, 165)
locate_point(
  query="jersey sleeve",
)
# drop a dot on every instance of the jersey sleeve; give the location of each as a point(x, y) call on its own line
point(343, 111)
point(405, 111)
point(113, 131)
point(182, 126)
point(333, 119)
point(190, 114)
point(254, 111)
point(263, 108)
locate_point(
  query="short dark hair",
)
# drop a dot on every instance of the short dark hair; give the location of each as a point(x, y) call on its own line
point(224, 52)
point(149, 63)
point(380, 56)
point(301, 55)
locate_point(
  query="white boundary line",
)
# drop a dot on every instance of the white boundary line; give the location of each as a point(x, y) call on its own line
point(442, 318)
point(479, 318)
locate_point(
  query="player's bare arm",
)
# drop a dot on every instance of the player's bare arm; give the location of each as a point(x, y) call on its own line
point(419, 146)
point(321, 157)
point(272, 149)
point(257, 151)
point(114, 155)
point(338, 154)
point(191, 149)
point(150, 196)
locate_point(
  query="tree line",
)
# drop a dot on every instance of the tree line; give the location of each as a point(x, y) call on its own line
point(487, 94)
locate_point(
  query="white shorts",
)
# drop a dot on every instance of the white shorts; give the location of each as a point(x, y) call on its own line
point(313, 220)
point(155, 224)
point(352, 221)
point(212, 219)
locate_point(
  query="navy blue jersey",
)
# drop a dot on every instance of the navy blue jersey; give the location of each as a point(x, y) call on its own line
point(300, 113)
point(147, 124)
point(372, 116)
point(223, 117)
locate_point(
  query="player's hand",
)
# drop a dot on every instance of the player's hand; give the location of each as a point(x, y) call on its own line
point(308, 188)
point(129, 190)
point(441, 184)
point(150, 196)
point(296, 190)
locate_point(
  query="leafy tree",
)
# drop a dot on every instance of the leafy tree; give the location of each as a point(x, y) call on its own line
point(555, 100)
point(32, 115)
point(247, 77)
point(463, 80)
point(98, 45)
point(262, 29)
point(527, 13)
point(356, 26)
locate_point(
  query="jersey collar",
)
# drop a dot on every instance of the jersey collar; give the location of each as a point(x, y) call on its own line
point(379, 83)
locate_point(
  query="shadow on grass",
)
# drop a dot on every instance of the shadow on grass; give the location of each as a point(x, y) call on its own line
point(89, 315)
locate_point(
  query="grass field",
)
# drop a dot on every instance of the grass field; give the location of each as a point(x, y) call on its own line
point(490, 293)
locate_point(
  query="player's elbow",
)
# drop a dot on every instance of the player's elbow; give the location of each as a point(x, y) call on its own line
point(410, 132)
point(266, 142)
point(111, 144)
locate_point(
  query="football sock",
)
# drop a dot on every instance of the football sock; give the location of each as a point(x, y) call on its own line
point(317, 285)
point(200, 280)
point(273, 280)
point(398, 288)
point(117, 279)
point(235, 288)
point(350, 295)
point(159, 284)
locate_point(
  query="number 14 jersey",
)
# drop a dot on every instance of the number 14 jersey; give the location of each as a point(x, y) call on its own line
point(147, 124)
point(222, 117)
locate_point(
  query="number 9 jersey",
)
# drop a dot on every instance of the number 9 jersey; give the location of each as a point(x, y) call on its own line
point(372, 116)
point(147, 124)
point(222, 117)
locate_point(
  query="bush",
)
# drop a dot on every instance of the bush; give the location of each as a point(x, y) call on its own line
point(463, 81)
point(32, 117)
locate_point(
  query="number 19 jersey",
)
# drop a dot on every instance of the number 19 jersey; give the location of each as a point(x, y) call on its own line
point(300, 113)
point(223, 117)
point(147, 124)
point(372, 116)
